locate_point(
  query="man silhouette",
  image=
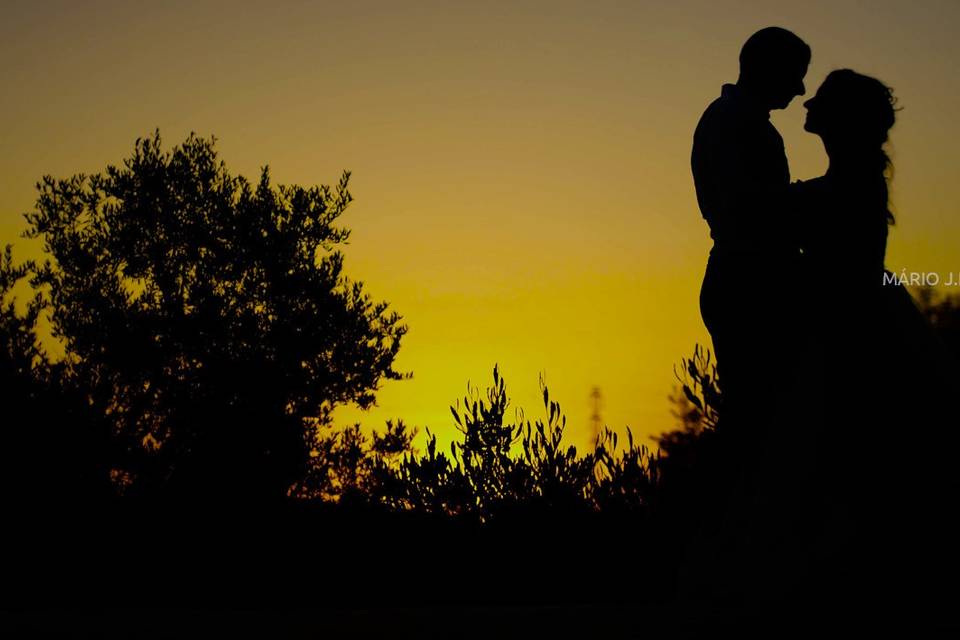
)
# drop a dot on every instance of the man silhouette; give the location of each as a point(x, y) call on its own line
point(742, 179)
point(741, 176)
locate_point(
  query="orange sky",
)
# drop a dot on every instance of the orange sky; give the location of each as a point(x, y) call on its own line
point(520, 169)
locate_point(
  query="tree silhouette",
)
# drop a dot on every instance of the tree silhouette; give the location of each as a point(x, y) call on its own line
point(22, 362)
point(50, 449)
point(207, 317)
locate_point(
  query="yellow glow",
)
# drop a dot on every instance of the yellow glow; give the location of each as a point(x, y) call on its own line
point(521, 170)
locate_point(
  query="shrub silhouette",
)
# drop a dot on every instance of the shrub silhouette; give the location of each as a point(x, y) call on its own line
point(942, 311)
point(496, 470)
point(697, 402)
point(206, 317)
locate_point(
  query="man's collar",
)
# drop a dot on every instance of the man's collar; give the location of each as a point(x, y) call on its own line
point(744, 101)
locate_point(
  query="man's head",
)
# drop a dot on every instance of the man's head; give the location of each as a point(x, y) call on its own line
point(773, 62)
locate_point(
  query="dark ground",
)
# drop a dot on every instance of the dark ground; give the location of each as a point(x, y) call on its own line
point(159, 573)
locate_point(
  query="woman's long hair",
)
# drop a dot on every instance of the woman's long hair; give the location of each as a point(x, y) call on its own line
point(862, 111)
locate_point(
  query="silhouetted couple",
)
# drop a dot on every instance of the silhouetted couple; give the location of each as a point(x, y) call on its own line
point(827, 368)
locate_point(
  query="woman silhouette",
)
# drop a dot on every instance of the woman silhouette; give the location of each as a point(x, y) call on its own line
point(874, 377)
point(842, 221)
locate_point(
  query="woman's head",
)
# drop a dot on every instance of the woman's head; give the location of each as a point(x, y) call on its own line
point(851, 111)
point(853, 114)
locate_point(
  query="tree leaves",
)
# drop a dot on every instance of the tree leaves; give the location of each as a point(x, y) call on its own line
point(190, 300)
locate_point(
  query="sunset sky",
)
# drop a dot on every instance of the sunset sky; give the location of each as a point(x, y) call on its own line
point(520, 169)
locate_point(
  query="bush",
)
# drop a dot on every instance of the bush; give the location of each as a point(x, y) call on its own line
point(496, 470)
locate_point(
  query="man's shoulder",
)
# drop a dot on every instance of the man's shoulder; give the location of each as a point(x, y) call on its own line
point(726, 122)
point(720, 116)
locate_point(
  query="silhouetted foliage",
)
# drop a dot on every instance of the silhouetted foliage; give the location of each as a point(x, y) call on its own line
point(496, 470)
point(21, 348)
point(209, 333)
point(22, 365)
point(696, 402)
point(943, 312)
point(49, 448)
point(207, 317)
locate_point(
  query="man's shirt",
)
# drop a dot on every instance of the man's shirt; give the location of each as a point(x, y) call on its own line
point(741, 176)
